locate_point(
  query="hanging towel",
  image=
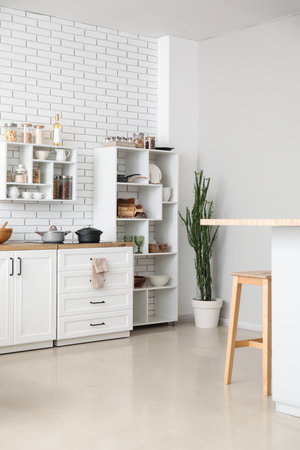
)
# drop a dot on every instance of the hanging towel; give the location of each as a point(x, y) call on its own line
point(99, 267)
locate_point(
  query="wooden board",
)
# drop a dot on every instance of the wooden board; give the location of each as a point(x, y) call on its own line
point(17, 246)
point(252, 222)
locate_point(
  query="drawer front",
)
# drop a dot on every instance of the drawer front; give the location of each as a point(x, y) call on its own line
point(76, 282)
point(93, 324)
point(79, 304)
point(80, 259)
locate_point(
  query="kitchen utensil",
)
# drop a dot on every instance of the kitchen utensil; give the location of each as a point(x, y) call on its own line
point(88, 235)
point(159, 280)
point(38, 195)
point(13, 192)
point(41, 154)
point(127, 208)
point(139, 281)
point(26, 195)
point(62, 154)
point(154, 174)
point(166, 193)
point(5, 233)
point(53, 236)
point(167, 149)
point(128, 178)
point(139, 240)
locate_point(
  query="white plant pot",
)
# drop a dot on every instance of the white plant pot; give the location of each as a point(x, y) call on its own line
point(207, 313)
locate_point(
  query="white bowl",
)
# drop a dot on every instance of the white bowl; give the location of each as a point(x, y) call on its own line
point(41, 154)
point(159, 280)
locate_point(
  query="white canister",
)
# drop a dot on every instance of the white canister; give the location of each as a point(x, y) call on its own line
point(39, 134)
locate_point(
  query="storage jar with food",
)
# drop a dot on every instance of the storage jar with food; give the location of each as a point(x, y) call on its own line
point(150, 142)
point(26, 135)
point(56, 187)
point(138, 139)
point(21, 174)
point(8, 176)
point(65, 187)
point(10, 132)
point(39, 134)
point(36, 175)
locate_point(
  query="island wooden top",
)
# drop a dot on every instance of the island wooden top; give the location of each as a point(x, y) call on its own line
point(252, 222)
point(9, 246)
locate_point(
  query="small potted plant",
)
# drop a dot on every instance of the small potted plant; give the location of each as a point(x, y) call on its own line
point(202, 238)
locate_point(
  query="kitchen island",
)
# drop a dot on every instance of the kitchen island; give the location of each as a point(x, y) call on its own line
point(285, 236)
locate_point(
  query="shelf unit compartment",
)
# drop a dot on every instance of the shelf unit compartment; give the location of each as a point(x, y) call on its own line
point(162, 306)
point(133, 228)
point(166, 230)
point(131, 162)
point(140, 307)
point(168, 164)
point(69, 170)
point(146, 195)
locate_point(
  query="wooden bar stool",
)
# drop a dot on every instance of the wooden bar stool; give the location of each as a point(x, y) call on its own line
point(257, 278)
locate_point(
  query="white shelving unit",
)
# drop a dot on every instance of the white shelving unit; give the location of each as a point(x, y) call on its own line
point(151, 304)
point(13, 153)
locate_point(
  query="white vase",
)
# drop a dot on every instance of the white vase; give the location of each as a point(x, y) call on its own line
point(207, 313)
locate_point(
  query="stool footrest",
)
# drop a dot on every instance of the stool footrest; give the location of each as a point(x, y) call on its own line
point(256, 343)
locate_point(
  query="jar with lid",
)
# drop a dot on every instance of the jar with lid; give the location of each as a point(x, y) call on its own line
point(39, 134)
point(65, 187)
point(8, 176)
point(26, 135)
point(36, 175)
point(56, 187)
point(150, 142)
point(10, 132)
point(21, 174)
point(138, 139)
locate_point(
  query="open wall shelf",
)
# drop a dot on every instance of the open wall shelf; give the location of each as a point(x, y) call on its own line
point(151, 304)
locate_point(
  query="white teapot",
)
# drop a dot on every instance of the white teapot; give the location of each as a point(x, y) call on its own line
point(13, 192)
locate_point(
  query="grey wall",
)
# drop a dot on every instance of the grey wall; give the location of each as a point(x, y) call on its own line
point(249, 144)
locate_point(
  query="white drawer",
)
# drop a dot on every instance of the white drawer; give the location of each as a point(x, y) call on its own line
point(74, 304)
point(93, 324)
point(76, 282)
point(80, 259)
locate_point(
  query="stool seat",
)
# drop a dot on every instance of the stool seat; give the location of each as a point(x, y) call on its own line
point(261, 274)
point(258, 278)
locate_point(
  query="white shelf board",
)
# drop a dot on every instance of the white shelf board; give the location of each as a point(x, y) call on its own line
point(53, 161)
point(163, 152)
point(13, 183)
point(34, 200)
point(133, 184)
point(23, 144)
point(169, 203)
point(155, 254)
point(153, 288)
point(152, 320)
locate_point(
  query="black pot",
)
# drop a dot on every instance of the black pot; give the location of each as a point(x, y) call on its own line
point(88, 235)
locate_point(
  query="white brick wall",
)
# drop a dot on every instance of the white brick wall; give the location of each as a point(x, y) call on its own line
point(102, 82)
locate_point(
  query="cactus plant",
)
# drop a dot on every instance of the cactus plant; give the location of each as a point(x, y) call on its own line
point(201, 237)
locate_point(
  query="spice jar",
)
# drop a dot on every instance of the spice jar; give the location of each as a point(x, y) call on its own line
point(65, 187)
point(39, 134)
point(21, 174)
point(150, 142)
point(138, 139)
point(10, 132)
point(36, 175)
point(56, 187)
point(8, 176)
point(26, 135)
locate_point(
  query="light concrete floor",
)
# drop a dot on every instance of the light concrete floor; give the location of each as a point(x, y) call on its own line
point(161, 389)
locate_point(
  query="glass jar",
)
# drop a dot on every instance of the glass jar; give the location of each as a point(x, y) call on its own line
point(10, 132)
point(26, 135)
point(36, 175)
point(8, 176)
point(150, 142)
point(56, 187)
point(21, 174)
point(39, 134)
point(65, 187)
point(138, 139)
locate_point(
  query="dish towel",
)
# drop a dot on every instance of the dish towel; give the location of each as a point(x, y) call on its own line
point(99, 267)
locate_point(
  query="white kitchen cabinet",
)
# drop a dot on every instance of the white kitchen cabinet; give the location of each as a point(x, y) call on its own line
point(35, 296)
point(88, 314)
point(6, 298)
point(27, 299)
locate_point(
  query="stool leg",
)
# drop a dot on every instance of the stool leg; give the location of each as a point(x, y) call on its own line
point(234, 315)
point(267, 337)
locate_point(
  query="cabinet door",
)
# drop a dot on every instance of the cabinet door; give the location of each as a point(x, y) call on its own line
point(6, 298)
point(35, 296)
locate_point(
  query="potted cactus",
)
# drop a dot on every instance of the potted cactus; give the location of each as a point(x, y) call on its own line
point(202, 238)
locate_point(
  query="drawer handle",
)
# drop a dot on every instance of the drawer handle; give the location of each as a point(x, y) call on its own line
point(97, 324)
point(96, 303)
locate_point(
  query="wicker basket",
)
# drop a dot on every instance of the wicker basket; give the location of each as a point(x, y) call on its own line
point(158, 248)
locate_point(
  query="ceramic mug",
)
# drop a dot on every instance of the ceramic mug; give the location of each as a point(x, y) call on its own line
point(167, 191)
point(62, 154)
point(38, 195)
point(13, 192)
point(26, 194)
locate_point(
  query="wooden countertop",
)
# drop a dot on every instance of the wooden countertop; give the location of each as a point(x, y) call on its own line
point(9, 246)
point(252, 222)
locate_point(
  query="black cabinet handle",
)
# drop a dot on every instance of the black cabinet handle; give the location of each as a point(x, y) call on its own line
point(97, 324)
point(96, 303)
point(20, 265)
point(12, 267)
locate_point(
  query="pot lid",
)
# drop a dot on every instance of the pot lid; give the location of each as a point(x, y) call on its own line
point(87, 230)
